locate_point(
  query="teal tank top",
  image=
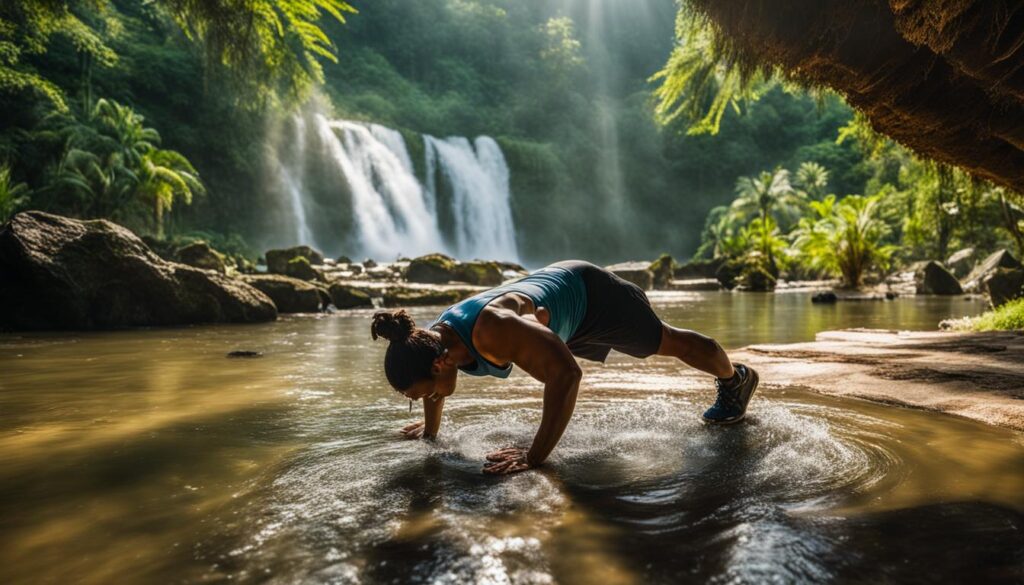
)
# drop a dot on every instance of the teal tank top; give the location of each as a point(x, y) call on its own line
point(560, 290)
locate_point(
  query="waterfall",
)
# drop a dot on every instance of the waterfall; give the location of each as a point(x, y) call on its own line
point(479, 194)
point(372, 203)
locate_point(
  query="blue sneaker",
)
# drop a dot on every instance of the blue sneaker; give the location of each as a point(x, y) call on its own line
point(731, 405)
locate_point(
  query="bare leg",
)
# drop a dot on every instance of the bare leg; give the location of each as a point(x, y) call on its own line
point(699, 351)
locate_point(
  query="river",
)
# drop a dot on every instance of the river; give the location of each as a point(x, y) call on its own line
point(148, 456)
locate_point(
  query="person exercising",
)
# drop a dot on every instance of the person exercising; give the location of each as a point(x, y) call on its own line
point(570, 308)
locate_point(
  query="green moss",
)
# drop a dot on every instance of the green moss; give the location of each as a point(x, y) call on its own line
point(480, 273)
point(1005, 318)
point(663, 269)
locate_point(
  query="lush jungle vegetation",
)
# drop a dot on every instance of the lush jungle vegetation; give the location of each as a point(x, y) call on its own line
point(155, 114)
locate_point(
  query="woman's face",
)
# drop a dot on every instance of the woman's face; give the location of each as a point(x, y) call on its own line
point(421, 389)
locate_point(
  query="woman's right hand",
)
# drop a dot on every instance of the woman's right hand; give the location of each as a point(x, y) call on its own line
point(413, 430)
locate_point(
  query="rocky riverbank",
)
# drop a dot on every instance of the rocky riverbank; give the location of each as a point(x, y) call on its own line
point(975, 375)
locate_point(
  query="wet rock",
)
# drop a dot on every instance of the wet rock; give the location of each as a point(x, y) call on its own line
point(163, 248)
point(698, 269)
point(370, 263)
point(299, 267)
point(756, 278)
point(290, 295)
point(480, 273)
point(381, 273)
point(432, 269)
point(994, 261)
point(1004, 285)
point(355, 268)
point(636, 272)
point(201, 255)
point(505, 266)
point(347, 297)
point(277, 260)
point(63, 273)
point(961, 262)
point(728, 273)
point(932, 278)
point(245, 354)
point(695, 284)
point(824, 297)
point(402, 297)
point(663, 270)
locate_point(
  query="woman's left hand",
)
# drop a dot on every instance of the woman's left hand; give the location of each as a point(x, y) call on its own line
point(506, 461)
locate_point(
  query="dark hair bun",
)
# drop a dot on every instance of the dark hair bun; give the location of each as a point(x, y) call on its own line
point(392, 325)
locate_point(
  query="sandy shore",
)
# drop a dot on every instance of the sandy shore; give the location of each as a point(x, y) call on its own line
point(975, 375)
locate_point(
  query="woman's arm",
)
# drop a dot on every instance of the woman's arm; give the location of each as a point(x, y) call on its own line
point(431, 423)
point(543, 355)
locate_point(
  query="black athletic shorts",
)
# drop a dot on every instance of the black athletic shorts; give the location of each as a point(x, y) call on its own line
point(619, 316)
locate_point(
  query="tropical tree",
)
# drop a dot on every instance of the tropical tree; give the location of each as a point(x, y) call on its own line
point(812, 180)
point(165, 176)
point(102, 185)
point(845, 238)
point(12, 195)
point(119, 129)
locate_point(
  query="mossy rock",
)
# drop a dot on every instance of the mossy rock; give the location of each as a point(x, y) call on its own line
point(347, 297)
point(663, 270)
point(728, 273)
point(277, 260)
point(421, 297)
point(299, 267)
point(201, 255)
point(480, 273)
point(290, 295)
point(432, 269)
point(757, 278)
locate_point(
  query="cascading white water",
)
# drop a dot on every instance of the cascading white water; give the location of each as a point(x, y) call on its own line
point(480, 194)
point(291, 185)
point(391, 212)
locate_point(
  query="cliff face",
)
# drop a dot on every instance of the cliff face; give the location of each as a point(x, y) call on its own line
point(943, 77)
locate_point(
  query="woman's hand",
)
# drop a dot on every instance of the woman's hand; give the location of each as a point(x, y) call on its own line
point(506, 461)
point(413, 430)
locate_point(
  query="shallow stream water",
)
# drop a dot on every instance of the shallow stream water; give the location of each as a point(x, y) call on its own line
point(149, 457)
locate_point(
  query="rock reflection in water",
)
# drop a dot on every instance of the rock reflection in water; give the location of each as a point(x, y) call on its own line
point(147, 456)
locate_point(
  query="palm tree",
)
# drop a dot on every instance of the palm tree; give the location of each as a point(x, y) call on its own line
point(764, 196)
point(120, 129)
point(103, 186)
point(846, 238)
point(164, 176)
point(12, 195)
point(812, 179)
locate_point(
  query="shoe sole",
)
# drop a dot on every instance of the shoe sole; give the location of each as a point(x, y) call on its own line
point(753, 388)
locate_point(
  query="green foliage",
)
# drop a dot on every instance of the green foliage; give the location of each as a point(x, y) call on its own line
point(13, 196)
point(701, 79)
point(844, 238)
point(1006, 317)
point(768, 195)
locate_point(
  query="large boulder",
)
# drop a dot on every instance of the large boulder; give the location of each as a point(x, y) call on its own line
point(932, 278)
point(201, 255)
point(403, 297)
point(62, 273)
point(1004, 285)
point(479, 273)
point(432, 269)
point(698, 269)
point(663, 270)
point(347, 297)
point(994, 261)
point(290, 295)
point(638, 273)
point(756, 278)
point(961, 262)
point(277, 260)
point(300, 268)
